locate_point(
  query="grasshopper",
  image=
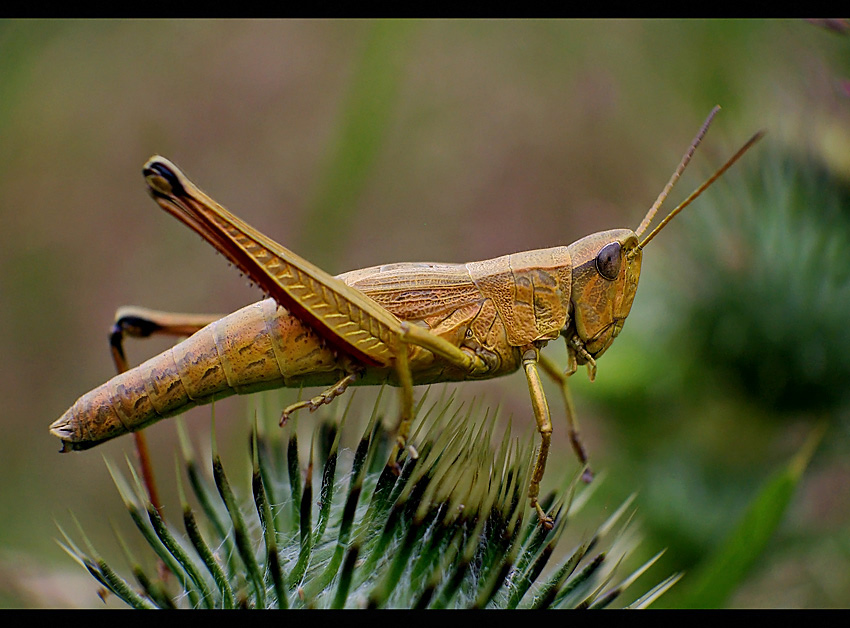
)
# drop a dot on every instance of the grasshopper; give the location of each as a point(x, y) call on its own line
point(404, 324)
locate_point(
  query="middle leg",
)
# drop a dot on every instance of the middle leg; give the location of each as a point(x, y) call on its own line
point(544, 427)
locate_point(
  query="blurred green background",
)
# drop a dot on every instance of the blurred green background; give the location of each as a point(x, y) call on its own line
point(358, 143)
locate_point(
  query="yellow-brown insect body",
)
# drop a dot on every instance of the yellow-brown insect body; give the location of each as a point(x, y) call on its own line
point(263, 346)
point(405, 323)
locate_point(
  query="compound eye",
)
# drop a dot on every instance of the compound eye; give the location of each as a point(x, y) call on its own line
point(608, 261)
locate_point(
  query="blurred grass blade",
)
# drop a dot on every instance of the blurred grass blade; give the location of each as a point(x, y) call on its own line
point(365, 116)
point(716, 580)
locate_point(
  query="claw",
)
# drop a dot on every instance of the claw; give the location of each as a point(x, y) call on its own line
point(322, 399)
point(284, 416)
point(591, 370)
point(545, 520)
point(395, 467)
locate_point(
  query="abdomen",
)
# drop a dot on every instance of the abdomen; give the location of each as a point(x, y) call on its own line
point(258, 347)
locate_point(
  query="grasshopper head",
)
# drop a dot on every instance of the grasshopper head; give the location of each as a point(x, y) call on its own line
point(606, 269)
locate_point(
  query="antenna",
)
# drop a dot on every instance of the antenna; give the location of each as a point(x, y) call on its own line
point(685, 159)
point(755, 138)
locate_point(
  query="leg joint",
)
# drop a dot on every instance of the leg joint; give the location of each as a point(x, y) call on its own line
point(135, 326)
